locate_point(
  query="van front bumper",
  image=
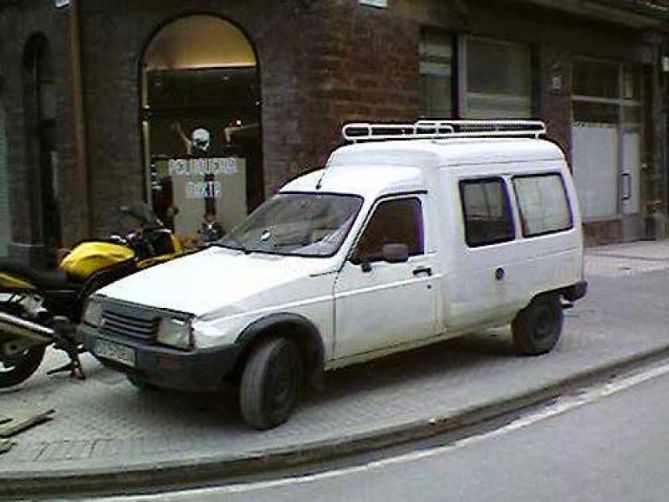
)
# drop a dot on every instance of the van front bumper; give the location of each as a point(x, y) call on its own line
point(193, 371)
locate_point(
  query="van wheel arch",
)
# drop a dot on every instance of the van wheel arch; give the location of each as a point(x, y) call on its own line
point(292, 326)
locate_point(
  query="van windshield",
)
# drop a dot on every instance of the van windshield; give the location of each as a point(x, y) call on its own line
point(298, 224)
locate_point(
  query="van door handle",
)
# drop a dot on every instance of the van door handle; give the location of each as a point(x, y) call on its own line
point(423, 270)
point(499, 274)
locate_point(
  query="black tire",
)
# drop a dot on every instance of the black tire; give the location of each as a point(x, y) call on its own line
point(537, 328)
point(271, 383)
point(19, 368)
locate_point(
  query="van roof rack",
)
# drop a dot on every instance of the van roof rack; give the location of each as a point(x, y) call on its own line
point(443, 129)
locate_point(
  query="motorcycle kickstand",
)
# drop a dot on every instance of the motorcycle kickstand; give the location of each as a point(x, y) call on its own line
point(64, 340)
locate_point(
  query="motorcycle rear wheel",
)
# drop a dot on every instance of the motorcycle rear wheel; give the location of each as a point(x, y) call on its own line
point(19, 368)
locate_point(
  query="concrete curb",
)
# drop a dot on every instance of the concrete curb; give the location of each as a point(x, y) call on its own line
point(152, 476)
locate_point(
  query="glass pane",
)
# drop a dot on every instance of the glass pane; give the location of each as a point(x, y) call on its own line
point(436, 96)
point(235, 89)
point(204, 142)
point(632, 114)
point(596, 113)
point(486, 212)
point(436, 76)
point(631, 83)
point(393, 222)
point(498, 68)
point(543, 204)
point(481, 106)
point(297, 224)
point(596, 78)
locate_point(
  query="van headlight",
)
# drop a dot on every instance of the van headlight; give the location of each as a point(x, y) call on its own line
point(174, 332)
point(93, 312)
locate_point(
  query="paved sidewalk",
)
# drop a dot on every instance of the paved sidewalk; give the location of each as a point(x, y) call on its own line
point(104, 430)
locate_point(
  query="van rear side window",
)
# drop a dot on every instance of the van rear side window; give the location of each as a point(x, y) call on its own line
point(487, 213)
point(542, 202)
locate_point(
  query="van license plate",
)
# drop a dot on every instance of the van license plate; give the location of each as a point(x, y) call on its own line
point(115, 352)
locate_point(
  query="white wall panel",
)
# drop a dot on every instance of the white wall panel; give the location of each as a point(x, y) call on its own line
point(595, 163)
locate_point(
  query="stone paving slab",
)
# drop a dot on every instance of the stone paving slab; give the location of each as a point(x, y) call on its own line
point(104, 424)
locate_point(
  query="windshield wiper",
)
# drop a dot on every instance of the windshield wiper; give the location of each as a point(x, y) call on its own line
point(236, 241)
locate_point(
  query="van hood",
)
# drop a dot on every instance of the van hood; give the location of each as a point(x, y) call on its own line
point(219, 279)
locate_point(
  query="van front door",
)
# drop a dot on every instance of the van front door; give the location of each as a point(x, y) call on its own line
point(380, 304)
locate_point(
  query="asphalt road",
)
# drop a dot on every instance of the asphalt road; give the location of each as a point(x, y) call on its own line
point(609, 443)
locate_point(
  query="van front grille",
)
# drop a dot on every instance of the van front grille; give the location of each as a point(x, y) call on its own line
point(141, 328)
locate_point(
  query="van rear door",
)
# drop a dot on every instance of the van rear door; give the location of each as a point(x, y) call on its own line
point(481, 283)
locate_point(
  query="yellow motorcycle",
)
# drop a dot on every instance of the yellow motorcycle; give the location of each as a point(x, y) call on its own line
point(39, 308)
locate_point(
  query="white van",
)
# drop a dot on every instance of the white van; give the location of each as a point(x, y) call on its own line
point(411, 235)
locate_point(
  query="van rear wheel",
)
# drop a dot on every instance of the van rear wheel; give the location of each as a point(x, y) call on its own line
point(537, 328)
point(271, 383)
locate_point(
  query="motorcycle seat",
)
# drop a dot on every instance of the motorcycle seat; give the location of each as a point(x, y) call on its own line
point(50, 279)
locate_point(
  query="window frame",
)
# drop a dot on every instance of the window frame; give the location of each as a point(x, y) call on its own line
point(520, 211)
point(511, 226)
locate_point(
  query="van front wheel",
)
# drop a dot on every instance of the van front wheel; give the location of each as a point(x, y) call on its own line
point(271, 383)
point(537, 328)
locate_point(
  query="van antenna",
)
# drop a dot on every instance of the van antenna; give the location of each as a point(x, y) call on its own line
point(319, 183)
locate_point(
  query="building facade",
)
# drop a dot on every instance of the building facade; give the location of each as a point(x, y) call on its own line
point(206, 107)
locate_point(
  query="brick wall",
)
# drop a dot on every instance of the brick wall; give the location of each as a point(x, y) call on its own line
point(321, 63)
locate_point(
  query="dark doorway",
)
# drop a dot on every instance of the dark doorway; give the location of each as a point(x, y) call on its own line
point(40, 118)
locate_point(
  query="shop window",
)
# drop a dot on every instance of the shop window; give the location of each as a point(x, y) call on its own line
point(436, 76)
point(201, 125)
point(487, 213)
point(498, 79)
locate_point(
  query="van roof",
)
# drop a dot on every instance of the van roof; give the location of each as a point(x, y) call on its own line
point(378, 167)
point(435, 153)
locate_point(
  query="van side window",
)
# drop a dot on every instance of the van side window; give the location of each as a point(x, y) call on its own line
point(487, 214)
point(397, 221)
point(542, 202)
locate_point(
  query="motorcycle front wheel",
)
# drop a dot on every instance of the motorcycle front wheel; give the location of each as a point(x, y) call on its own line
point(19, 367)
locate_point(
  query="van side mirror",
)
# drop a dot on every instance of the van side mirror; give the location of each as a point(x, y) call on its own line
point(395, 253)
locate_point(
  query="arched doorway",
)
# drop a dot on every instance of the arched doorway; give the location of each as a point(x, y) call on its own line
point(201, 125)
point(40, 120)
